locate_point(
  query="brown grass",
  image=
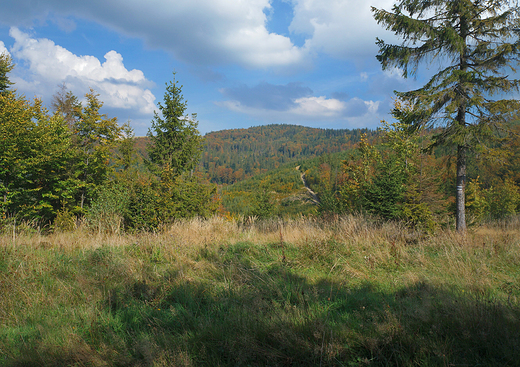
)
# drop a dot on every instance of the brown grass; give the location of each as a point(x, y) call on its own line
point(389, 281)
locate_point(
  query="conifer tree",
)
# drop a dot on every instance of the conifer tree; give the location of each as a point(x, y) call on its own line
point(6, 65)
point(175, 141)
point(477, 43)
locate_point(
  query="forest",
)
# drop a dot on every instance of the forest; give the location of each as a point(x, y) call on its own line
point(75, 164)
point(79, 165)
point(276, 245)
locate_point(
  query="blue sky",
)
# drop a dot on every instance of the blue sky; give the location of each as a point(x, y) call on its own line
point(242, 63)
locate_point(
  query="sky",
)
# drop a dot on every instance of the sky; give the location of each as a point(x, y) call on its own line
point(241, 63)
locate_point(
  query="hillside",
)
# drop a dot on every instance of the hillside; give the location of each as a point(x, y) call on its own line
point(233, 155)
point(283, 187)
point(230, 156)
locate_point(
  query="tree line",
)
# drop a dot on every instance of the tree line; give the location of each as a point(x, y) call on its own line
point(230, 156)
point(76, 162)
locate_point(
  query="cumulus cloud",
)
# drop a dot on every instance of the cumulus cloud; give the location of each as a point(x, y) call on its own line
point(203, 32)
point(318, 107)
point(210, 32)
point(340, 28)
point(3, 49)
point(50, 64)
point(295, 102)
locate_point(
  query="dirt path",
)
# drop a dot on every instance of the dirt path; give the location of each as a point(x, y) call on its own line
point(314, 196)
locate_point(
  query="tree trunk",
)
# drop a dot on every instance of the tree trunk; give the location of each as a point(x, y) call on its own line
point(461, 188)
point(462, 148)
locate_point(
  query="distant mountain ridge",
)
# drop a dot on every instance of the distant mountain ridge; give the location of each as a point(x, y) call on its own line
point(233, 155)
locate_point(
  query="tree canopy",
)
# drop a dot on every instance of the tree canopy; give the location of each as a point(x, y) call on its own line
point(477, 43)
point(6, 65)
point(176, 144)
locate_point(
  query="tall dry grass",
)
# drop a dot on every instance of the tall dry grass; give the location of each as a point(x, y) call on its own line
point(347, 290)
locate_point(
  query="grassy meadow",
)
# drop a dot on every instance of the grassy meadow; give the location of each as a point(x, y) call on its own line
point(346, 291)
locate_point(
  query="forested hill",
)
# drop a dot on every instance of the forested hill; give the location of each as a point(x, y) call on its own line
point(233, 155)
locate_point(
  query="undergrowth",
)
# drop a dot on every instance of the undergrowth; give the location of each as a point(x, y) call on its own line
point(345, 292)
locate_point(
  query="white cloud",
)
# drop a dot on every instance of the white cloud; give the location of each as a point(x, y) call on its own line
point(340, 28)
point(210, 32)
point(50, 64)
point(3, 49)
point(318, 107)
point(203, 32)
point(321, 110)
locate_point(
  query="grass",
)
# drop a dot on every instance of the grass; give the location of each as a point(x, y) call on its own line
point(345, 292)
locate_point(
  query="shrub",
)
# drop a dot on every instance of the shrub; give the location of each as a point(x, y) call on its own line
point(108, 209)
point(65, 221)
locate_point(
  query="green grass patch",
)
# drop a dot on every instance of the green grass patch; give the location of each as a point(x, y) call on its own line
point(334, 300)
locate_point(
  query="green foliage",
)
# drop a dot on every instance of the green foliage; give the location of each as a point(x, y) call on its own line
point(51, 163)
point(66, 104)
point(108, 209)
point(65, 221)
point(503, 199)
point(147, 208)
point(16, 138)
point(476, 202)
point(499, 200)
point(478, 42)
point(359, 170)
point(95, 135)
point(392, 180)
point(262, 205)
point(175, 143)
point(174, 151)
point(126, 148)
point(6, 65)
point(193, 196)
point(385, 193)
point(139, 201)
point(419, 215)
point(35, 160)
point(333, 199)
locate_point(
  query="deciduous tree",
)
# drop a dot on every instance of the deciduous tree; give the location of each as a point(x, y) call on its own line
point(65, 103)
point(95, 135)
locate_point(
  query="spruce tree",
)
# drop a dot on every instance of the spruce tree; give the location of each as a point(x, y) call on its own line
point(477, 44)
point(176, 144)
point(6, 65)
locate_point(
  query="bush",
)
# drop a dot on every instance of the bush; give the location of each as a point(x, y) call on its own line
point(108, 209)
point(65, 221)
point(503, 199)
point(384, 196)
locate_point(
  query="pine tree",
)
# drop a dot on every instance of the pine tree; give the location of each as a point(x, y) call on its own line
point(478, 43)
